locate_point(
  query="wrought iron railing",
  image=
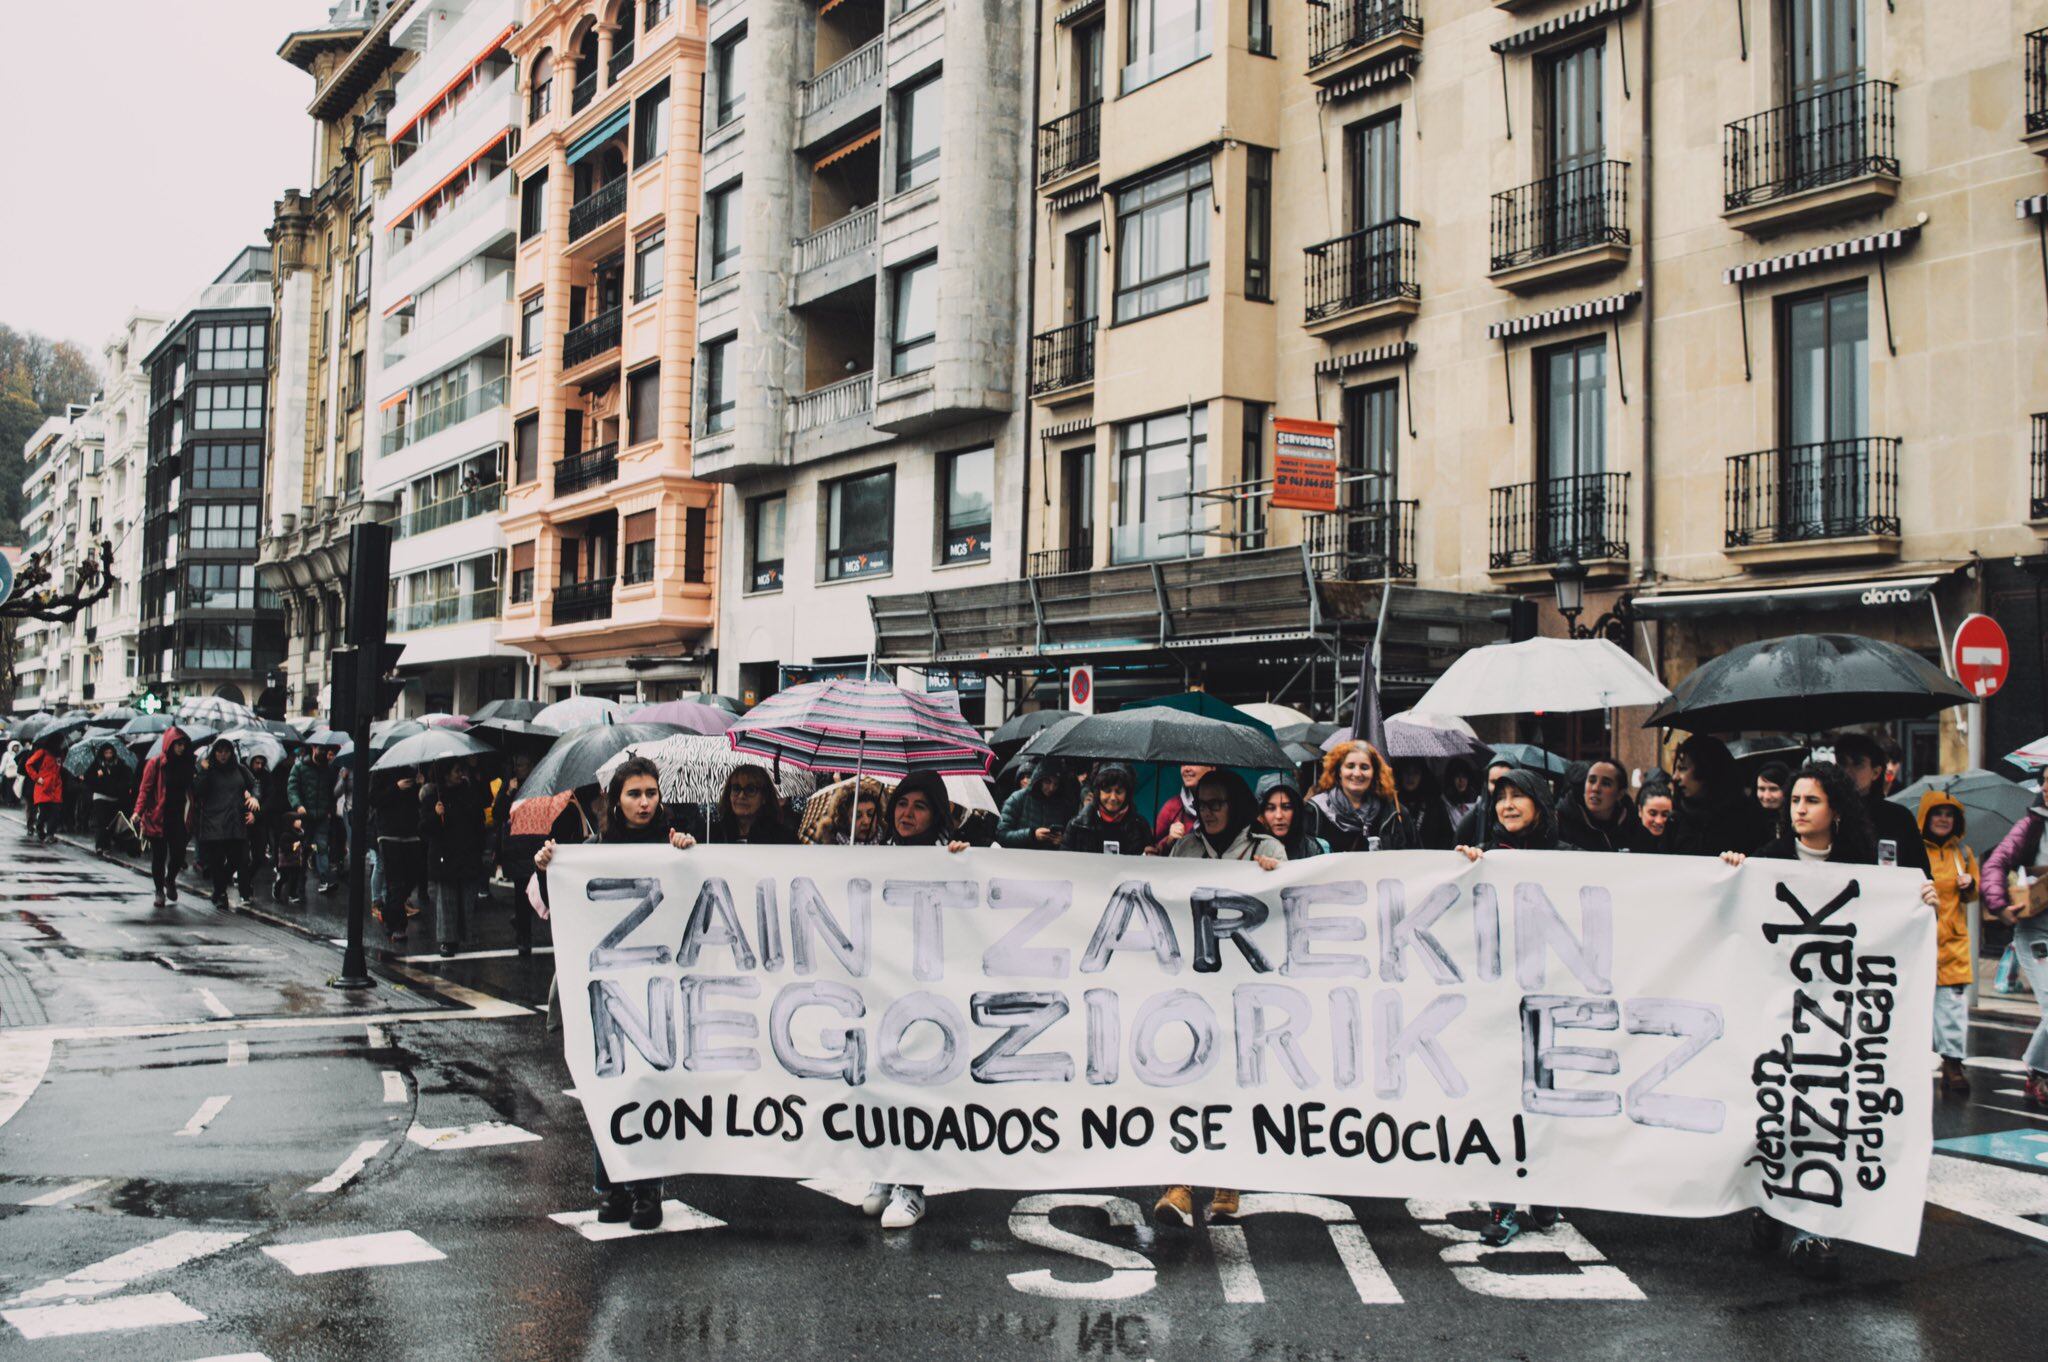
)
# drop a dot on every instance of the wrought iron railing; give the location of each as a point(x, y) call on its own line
point(1584, 516)
point(581, 602)
point(583, 92)
point(1063, 356)
point(843, 77)
point(840, 401)
point(1365, 543)
point(2039, 465)
point(838, 240)
point(598, 207)
point(434, 420)
point(1053, 562)
point(486, 500)
point(593, 338)
point(1568, 211)
point(622, 57)
point(1361, 268)
point(2037, 81)
point(1820, 140)
point(1068, 142)
point(1836, 489)
point(442, 611)
point(1340, 26)
point(589, 469)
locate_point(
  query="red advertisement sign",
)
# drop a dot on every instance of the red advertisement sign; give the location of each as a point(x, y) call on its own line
point(1304, 465)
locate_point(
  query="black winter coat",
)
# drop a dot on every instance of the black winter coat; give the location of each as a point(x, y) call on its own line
point(219, 795)
point(454, 838)
point(1086, 831)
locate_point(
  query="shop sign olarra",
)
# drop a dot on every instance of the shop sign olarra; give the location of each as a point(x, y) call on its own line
point(1981, 655)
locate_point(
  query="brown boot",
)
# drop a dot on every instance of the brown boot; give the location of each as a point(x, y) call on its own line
point(1176, 1208)
point(1954, 1082)
point(1223, 1205)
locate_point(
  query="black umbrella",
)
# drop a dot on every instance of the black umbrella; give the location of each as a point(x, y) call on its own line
point(1038, 743)
point(1157, 734)
point(428, 746)
point(31, 728)
point(515, 733)
point(113, 716)
point(1021, 727)
point(1807, 683)
point(573, 761)
point(520, 710)
point(386, 733)
point(55, 736)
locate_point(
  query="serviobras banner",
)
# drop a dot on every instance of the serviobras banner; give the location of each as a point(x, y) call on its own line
point(1660, 1035)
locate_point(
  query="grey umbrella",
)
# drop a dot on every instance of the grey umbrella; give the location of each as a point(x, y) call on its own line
point(251, 743)
point(1168, 736)
point(522, 710)
point(1807, 683)
point(1991, 804)
point(429, 746)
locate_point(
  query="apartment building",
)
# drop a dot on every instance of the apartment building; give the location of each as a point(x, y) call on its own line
point(328, 343)
point(612, 559)
point(207, 627)
point(442, 304)
point(123, 409)
point(861, 269)
point(45, 672)
point(1703, 323)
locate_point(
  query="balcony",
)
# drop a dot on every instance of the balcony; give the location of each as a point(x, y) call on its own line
point(435, 515)
point(1057, 562)
point(430, 251)
point(842, 401)
point(582, 93)
point(1534, 524)
point(1362, 278)
point(1561, 227)
point(1836, 499)
point(622, 57)
point(836, 257)
point(591, 468)
point(839, 96)
point(487, 300)
point(1830, 155)
point(443, 611)
point(1069, 143)
point(2038, 464)
point(595, 337)
point(434, 420)
point(2036, 80)
point(1344, 35)
point(1363, 545)
point(1063, 360)
point(595, 209)
point(582, 602)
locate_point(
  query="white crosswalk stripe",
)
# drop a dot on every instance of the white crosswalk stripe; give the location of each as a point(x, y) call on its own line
point(353, 1251)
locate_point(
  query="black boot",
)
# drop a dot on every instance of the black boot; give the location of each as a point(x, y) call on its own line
point(646, 1211)
point(1815, 1257)
point(616, 1206)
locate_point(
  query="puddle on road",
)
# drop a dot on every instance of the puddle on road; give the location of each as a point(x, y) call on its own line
point(154, 1200)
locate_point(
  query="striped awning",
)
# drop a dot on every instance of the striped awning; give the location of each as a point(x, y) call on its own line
point(1080, 9)
point(866, 139)
point(1875, 244)
point(1066, 428)
point(1073, 196)
point(1397, 67)
point(1564, 316)
point(2036, 207)
point(1359, 359)
point(1583, 17)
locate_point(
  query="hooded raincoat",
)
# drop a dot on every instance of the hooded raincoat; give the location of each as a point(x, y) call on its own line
point(1951, 861)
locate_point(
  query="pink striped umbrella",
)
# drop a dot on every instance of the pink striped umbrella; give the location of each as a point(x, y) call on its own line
point(870, 726)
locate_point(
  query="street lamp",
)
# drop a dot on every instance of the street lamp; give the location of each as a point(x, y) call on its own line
point(1568, 578)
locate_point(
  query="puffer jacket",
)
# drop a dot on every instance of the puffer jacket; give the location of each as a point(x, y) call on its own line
point(1248, 843)
point(1951, 860)
point(311, 787)
point(43, 768)
point(1026, 811)
point(2020, 847)
point(221, 790)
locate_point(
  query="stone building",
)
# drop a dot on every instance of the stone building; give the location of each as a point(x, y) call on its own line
point(612, 562)
point(327, 345)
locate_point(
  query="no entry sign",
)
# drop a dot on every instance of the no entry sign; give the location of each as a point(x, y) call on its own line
point(1981, 655)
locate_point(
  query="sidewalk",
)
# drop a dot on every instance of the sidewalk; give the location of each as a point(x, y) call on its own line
point(2017, 1007)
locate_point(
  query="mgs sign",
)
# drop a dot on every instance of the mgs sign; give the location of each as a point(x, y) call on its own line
point(1981, 655)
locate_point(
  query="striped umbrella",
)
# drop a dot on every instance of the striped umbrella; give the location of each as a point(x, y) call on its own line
point(694, 766)
point(688, 715)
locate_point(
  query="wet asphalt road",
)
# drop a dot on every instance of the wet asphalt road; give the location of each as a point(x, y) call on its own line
point(206, 1152)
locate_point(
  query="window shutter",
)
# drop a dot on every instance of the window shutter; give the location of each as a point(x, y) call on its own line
point(639, 526)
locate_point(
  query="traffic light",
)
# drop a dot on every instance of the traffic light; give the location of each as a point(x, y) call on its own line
point(342, 689)
point(384, 686)
point(1519, 615)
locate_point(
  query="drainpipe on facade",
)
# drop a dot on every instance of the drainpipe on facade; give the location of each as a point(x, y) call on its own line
point(1012, 702)
point(1649, 421)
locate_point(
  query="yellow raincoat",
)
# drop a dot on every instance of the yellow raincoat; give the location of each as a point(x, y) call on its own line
point(1951, 860)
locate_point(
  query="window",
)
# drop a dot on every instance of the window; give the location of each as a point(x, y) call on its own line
point(918, 108)
point(968, 482)
point(522, 573)
point(721, 208)
point(1571, 446)
point(356, 381)
point(1162, 238)
point(1155, 457)
point(532, 320)
point(1161, 36)
point(526, 449)
point(540, 93)
point(533, 206)
point(914, 316)
point(1258, 224)
point(643, 404)
point(220, 525)
point(220, 586)
point(211, 646)
point(764, 542)
point(1088, 63)
point(362, 273)
point(1372, 168)
point(227, 406)
point(1824, 410)
point(1252, 468)
point(1259, 36)
point(860, 525)
point(649, 264)
point(728, 77)
point(230, 347)
point(719, 397)
point(658, 10)
point(1574, 137)
point(650, 125)
point(1371, 439)
point(1084, 274)
point(212, 467)
point(696, 520)
point(639, 537)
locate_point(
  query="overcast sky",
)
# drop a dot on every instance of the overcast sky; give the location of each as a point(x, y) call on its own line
point(146, 141)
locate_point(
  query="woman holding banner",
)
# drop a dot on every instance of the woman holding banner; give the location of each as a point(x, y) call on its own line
point(632, 814)
point(1227, 829)
point(1357, 801)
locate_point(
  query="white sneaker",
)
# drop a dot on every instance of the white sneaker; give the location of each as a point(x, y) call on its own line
point(877, 1199)
point(906, 1208)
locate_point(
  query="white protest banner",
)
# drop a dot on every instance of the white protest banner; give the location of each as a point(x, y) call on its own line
point(1663, 1035)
